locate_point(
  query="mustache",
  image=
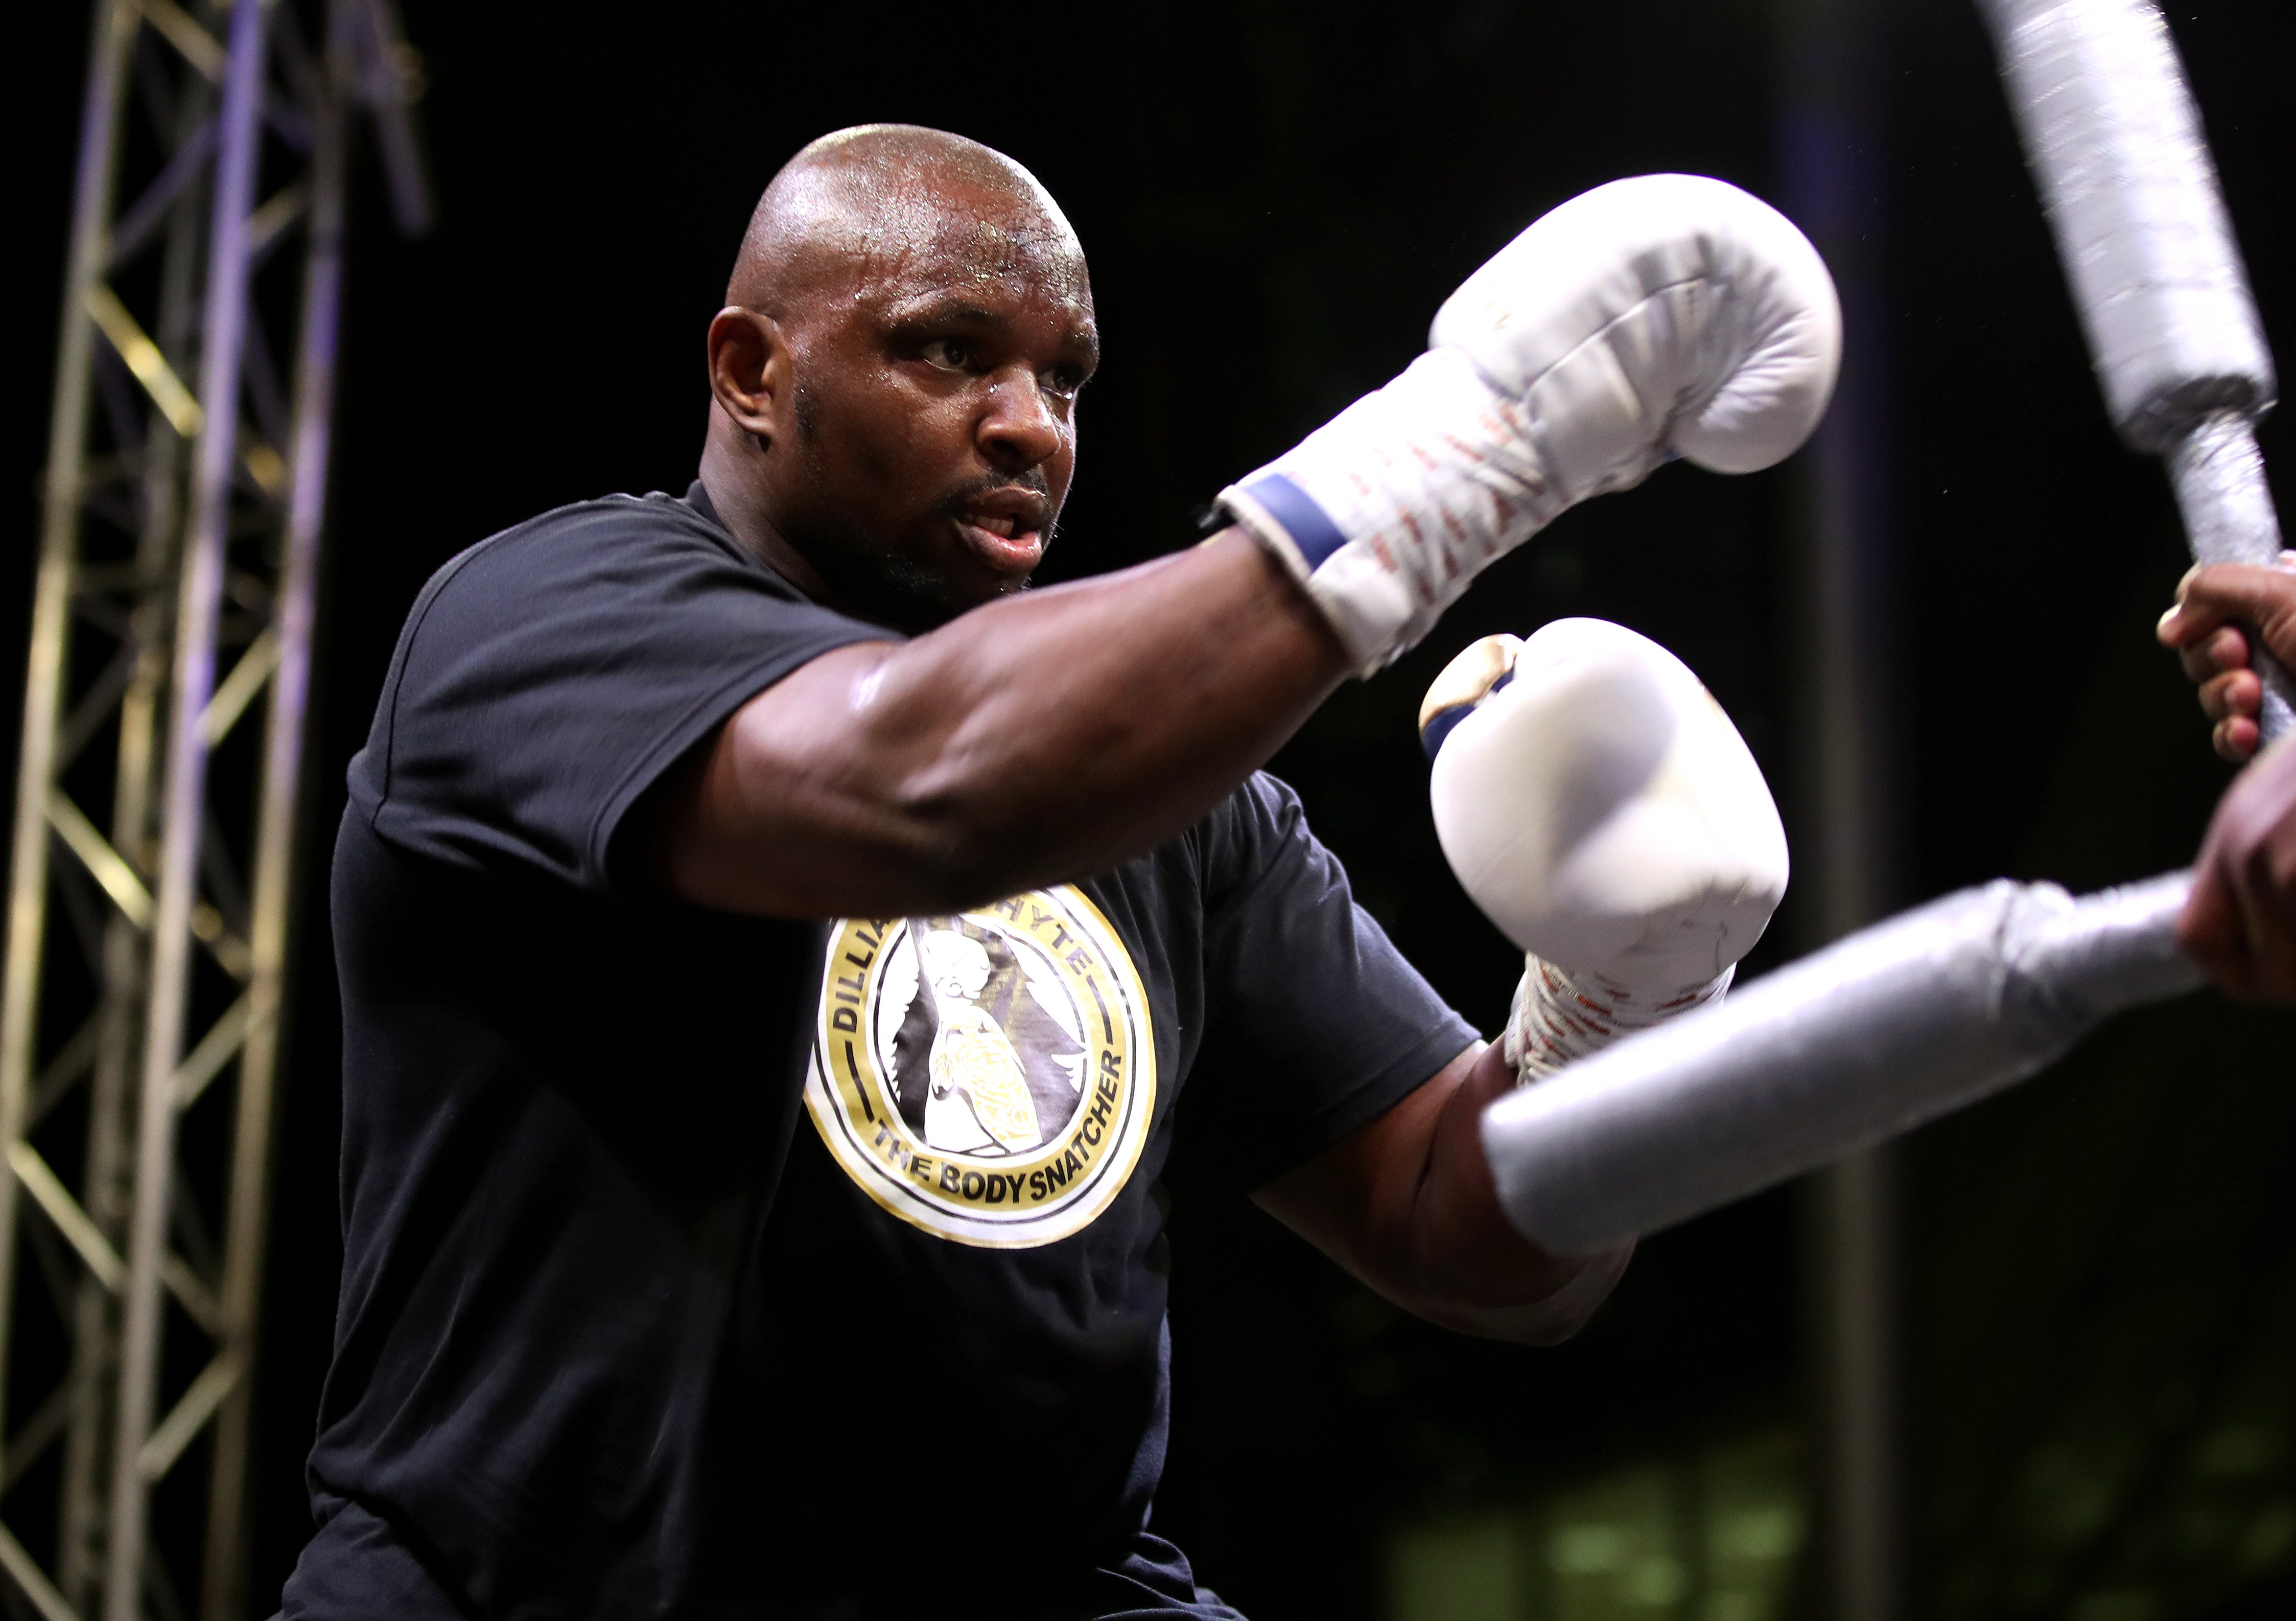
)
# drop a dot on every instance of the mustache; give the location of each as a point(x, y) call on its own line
point(1033, 480)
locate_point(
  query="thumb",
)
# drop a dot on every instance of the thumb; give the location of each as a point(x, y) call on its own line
point(2261, 598)
point(1482, 669)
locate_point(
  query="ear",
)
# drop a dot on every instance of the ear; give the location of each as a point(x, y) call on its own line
point(749, 372)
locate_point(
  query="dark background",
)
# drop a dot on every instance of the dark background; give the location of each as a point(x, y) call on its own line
point(1274, 195)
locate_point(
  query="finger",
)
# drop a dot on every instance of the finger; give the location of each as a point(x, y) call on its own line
point(2232, 695)
point(2174, 629)
point(2235, 740)
point(2178, 625)
point(2227, 649)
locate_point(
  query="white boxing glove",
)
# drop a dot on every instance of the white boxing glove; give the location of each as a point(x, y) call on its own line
point(1666, 316)
point(1598, 805)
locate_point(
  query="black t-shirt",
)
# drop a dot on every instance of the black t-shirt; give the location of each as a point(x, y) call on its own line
point(620, 1333)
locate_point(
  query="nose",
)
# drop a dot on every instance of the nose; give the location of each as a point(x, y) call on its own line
point(1017, 429)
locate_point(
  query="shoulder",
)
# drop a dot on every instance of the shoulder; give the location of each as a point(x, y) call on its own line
point(626, 614)
point(620, 581)
point(610, 544)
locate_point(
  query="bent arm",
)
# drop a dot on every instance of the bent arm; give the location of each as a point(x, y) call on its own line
point(1041, 737)
point(1407, 1205)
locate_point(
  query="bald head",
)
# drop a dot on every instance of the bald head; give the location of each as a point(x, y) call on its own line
point(886, 201)
point(894, 376)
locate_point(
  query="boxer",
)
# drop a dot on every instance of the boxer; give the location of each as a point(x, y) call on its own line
point(774, 943)
point(2241, 921)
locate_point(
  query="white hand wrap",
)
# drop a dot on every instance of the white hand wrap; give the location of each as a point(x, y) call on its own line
point(1556, 1020)
point(1669, 315)
point(1598, 805)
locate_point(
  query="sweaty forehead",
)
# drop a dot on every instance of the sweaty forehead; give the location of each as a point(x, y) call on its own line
point(927, 238)
point(888, 225)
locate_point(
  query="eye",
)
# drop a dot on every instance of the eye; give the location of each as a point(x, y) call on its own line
point(948, 354)
point(1064, 379)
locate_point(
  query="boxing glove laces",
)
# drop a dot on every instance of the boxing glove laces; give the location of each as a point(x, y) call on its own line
point(1665, 315)
point(1597, 804)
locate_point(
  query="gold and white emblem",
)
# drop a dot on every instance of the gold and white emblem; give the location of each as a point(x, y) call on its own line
point(988, 1077)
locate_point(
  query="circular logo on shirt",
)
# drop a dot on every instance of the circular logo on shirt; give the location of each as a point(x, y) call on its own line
point(989, 1076)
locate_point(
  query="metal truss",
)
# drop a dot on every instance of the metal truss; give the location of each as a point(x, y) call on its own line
point(154, 835)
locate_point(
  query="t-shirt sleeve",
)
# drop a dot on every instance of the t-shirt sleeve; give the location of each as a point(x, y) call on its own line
point(1316, 1025)
point(548, 676)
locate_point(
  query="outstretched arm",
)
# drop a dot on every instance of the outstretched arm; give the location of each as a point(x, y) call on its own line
point(1053, 733)
point(1057, 734)
point(1406, 1204)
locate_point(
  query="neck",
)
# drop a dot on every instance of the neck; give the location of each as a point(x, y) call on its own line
point(733, 476)
point(729, 473)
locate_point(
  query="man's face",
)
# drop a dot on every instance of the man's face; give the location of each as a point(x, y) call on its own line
point(936, 376)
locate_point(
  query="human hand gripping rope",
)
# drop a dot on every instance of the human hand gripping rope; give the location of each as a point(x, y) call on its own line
point(1930, 1010)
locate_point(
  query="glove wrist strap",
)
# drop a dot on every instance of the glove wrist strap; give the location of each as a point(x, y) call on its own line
point(1387, 512)
point(1558, 1018)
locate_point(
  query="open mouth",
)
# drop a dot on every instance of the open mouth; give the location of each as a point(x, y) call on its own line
point(1006, 528)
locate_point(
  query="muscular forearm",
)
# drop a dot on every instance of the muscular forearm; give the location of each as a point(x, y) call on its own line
point(1041, 737)
point(1408, 1205)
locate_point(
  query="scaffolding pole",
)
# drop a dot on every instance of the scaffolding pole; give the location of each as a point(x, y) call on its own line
point(141, 1001)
